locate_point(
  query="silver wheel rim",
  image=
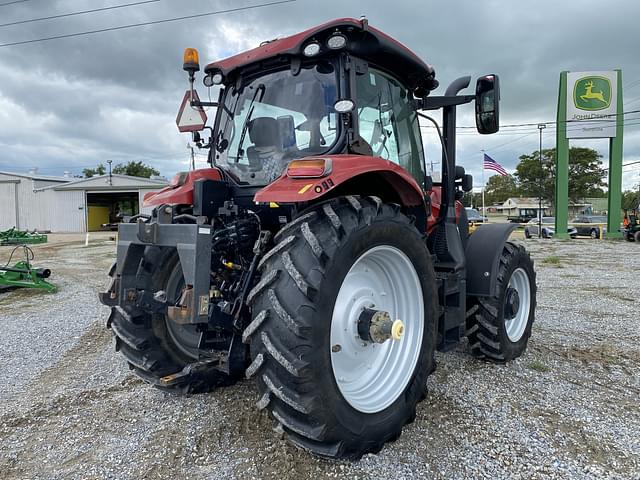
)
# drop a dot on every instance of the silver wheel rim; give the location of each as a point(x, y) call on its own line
point(371, 376)
point(516, 326)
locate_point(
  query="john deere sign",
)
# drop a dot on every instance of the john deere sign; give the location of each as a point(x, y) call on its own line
point(591, 104)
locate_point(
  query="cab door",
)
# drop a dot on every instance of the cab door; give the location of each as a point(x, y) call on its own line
point(388, 121)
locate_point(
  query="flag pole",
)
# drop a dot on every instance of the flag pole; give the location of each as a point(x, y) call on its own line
point(484, 214)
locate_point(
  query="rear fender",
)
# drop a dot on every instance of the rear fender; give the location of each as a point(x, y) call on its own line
point(482, 254)
point(346, 169)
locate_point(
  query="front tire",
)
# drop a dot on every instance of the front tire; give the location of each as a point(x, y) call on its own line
point(499, 328)
point(333, 393)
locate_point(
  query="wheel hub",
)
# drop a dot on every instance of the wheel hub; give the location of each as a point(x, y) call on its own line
point(377, 326)
point(512, 303)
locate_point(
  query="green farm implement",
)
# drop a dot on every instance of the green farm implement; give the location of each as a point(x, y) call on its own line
point(20, 237)
point(24, 275)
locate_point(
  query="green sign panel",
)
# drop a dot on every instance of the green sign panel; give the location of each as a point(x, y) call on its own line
point(589, 106)
point(592, 93)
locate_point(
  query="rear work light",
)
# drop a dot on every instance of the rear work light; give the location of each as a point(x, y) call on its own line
point(315, 168)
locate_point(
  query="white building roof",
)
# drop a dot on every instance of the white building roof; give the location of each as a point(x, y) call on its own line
point(35, 176)
point(522, 202)
point(113, 182)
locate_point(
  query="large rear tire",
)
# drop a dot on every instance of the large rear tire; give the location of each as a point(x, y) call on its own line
point(499, 327)
point(332, 392)
point(155, 347)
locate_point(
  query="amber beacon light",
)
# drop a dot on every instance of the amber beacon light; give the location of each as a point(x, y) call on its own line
point(191, 60)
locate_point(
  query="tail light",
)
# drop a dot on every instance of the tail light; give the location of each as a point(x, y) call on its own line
point(315, 168)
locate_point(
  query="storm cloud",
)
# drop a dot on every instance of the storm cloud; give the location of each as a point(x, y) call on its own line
point(72, 103)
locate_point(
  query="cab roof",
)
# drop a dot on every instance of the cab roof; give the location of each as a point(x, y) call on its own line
point(363, 41)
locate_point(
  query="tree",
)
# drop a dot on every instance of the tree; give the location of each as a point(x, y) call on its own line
point(499, 188)
point(90, 172)
point(585, 174)
point(135, 169)
point(630, 200)
point(470, 199)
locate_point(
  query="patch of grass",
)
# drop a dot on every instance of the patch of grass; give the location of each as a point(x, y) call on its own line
point(551, 260)
point(539, 366)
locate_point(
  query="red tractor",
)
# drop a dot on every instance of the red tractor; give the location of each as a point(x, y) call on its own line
point(316, 256)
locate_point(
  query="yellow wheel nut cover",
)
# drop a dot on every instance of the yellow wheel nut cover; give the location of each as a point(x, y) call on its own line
point(397, 329)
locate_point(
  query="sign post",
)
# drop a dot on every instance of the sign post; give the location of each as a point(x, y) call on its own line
point(589, 106)
point(615, 170)
point(562, 162)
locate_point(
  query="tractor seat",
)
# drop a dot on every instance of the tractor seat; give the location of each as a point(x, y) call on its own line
point(266, 155)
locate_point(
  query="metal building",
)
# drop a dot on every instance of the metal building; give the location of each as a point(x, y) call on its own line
point(60, 204)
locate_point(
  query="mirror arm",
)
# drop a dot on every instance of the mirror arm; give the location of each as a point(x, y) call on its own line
point(195, 103)
point(434, 103)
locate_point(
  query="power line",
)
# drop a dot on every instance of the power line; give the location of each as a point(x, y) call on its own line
point(632, 84)
point(497, 147)
point(143, 24)
point(632, 101)
point(72, 14)
point(625, 165)
point(11, 3)
point(553, 123)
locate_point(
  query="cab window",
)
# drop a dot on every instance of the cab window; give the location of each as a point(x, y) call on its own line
point(388, 121)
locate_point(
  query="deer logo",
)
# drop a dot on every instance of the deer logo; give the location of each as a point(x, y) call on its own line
point(589, 93)
point(592, 93)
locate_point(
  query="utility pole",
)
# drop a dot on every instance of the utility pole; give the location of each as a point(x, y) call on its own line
point(541, 126)
point(110, 178)
point(193, 156)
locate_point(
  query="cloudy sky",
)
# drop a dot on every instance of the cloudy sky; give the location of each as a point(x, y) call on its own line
point(72, 103)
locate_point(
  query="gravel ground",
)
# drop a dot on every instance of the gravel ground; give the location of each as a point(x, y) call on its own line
point(569, 408)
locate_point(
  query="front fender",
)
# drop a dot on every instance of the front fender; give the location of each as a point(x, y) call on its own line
point(344, 168)
point(482, 254)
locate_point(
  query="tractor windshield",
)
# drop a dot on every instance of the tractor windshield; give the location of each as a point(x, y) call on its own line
point(275, 118)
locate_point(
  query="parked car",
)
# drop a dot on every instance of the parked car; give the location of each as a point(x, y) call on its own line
point(474, 216)
point(548, 228)
point(592, 231)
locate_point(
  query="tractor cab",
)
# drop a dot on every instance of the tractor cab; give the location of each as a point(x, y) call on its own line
point(340, 88)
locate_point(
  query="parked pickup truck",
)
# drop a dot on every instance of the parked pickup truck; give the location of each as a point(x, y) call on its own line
point(524, 215)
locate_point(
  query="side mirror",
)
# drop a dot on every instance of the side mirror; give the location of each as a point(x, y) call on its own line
point(467, 183)
point(488, 104)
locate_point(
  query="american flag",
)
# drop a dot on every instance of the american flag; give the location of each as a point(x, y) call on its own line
point(491, 164)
